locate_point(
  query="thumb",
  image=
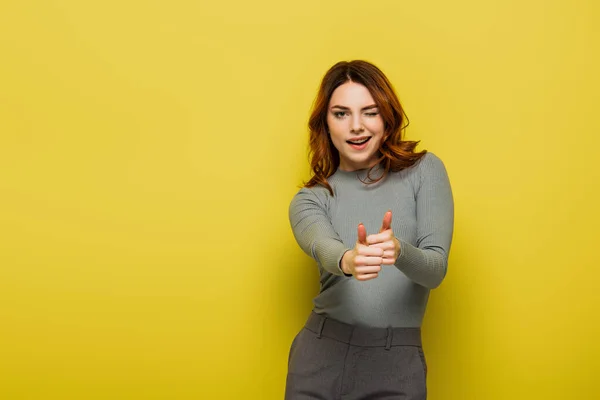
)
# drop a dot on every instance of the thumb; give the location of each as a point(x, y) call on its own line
point(362, 234)
point(387, 221)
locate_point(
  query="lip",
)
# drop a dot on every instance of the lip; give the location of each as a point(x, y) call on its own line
point(360, 146)
point(358, 138)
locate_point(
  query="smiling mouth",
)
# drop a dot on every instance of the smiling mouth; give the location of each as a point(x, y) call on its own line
point(359, 141)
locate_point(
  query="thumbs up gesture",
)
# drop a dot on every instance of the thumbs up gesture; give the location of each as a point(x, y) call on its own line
point(370, 252)
point(363, 262)
point(386, 241)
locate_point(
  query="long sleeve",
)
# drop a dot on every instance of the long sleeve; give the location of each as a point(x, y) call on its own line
point(314, 232)
point(426, 264)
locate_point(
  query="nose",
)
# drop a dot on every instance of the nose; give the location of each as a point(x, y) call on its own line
point(356, 126)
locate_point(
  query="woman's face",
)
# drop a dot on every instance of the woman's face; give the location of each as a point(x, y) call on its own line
point(352, 118)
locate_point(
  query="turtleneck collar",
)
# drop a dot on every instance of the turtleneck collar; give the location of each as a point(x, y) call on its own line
point(359, 173)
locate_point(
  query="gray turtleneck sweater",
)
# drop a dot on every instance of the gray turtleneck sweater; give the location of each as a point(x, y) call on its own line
point(325, 227)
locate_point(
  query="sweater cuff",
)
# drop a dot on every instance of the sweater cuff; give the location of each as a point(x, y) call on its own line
point(331, 253)
point(340, 263)
point(409, 254)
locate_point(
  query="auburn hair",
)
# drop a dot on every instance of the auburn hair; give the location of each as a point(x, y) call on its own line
point(396, 154)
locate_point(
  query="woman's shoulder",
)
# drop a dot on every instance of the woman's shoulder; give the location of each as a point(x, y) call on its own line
point(428, 166)
point(429, 157)
point(429, 162)
point(318, 194)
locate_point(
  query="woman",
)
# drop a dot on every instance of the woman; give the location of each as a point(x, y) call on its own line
point(378, 219)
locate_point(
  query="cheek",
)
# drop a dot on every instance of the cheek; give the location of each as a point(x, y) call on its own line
point(375, 126)
point(377, 129)
point(336, 131)
point(338, 141)
point(378, 138)
point(335, 124)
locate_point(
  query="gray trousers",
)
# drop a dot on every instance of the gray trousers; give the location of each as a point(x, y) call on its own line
point(330, 360)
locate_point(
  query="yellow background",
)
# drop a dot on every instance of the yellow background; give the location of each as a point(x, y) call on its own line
point(149, 151)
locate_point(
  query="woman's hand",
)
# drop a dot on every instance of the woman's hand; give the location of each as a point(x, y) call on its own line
point(363, 262)
point(386, 241)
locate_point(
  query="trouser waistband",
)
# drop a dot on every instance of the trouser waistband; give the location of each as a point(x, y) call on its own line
point(362, 336)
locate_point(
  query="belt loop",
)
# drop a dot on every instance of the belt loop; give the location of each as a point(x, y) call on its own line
point(388, 343)
point(321, 324)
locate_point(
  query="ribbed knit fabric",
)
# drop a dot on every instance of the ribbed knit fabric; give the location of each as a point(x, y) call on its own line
point(325, 227)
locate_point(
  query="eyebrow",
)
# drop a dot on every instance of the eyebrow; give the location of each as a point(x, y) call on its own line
point(362, 109)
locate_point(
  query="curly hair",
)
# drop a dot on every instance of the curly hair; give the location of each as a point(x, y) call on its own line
point(395, 153)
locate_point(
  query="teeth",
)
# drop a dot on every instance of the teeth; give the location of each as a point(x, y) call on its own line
point(358, 142)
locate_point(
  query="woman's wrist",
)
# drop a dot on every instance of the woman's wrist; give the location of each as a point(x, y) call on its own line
point(344, 262)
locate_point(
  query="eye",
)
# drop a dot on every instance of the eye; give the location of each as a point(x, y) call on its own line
point(372, 114)
point(339, 114)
